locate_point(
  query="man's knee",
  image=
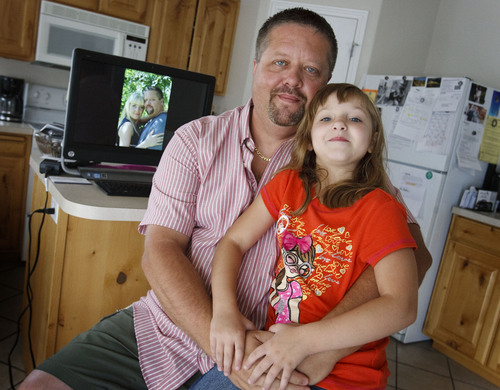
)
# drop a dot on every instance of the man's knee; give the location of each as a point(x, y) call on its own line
point(38, 379)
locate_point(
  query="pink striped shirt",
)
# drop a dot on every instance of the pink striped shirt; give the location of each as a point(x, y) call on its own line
point(196, 192)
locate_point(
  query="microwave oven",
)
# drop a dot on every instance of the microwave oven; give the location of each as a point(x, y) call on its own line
point(62, 29)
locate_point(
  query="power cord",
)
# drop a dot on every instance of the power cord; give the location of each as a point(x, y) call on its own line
point(29, 291)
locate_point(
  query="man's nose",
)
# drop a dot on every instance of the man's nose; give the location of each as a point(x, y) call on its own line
point(293, 77)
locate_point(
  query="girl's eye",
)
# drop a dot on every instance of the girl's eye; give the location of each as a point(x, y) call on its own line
point(355, 120)
point(325, 119)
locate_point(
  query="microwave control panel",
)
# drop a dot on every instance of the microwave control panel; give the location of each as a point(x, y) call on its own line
point(135, 48)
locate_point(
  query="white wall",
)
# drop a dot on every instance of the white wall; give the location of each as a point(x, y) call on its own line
point(404, 34)
point(465, 41)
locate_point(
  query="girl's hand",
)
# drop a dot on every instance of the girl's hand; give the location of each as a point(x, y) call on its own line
point(227, 339)
point(279, 356)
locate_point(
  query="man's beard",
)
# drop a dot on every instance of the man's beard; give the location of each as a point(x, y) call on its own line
point(150, 110)
point(282, 117)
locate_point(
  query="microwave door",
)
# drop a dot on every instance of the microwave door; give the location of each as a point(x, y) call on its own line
point(58, 37)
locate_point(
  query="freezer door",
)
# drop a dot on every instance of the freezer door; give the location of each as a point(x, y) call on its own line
point(421, 190)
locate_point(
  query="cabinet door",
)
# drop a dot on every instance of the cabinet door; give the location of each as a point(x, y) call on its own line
point(89, 5)
point(465, 308)
point(18, 29)
point(171, 29)
point(133, 10)
point(12, 194)
point(213, 39)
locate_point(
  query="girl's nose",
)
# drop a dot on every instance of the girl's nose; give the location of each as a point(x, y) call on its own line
point(339, 125)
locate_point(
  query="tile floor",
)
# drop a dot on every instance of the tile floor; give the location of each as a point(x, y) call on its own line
point(413, 366)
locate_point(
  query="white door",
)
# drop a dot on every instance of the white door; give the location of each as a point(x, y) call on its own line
point(349, 27)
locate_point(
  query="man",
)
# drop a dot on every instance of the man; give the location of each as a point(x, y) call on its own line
point(153, 131)
point(210, 172)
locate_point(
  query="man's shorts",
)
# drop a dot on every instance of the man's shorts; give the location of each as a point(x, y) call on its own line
point(104, 357)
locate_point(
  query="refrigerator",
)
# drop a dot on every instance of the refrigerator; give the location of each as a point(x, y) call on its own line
point(433, 142)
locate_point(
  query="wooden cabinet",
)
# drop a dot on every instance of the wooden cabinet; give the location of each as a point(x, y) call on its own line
point(14, 155)
point(188, 34)
point(464, 314)
point(134, 11)
point(18, 29)
point(202, 40)
point(213, 40)
point(86, 270)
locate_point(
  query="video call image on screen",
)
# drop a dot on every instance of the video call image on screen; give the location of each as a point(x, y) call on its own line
point(125, 111)
point(144, 109)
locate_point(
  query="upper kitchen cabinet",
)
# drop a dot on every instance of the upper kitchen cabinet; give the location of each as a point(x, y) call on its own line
point(18, 29)
point(196, 35)
point(202, 39)
point(171, 30)
point(133, 10)
point(213, 39)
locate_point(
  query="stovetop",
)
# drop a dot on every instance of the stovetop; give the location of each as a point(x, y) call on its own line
point(44, 104)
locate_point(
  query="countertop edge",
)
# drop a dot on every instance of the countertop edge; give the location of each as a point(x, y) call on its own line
point(88, 201)
point(489, 218)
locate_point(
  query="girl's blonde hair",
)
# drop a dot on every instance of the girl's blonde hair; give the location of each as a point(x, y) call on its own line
point(135, 97)
point(369, 173)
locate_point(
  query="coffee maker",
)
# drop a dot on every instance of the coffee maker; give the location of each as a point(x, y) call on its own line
point(11, 99)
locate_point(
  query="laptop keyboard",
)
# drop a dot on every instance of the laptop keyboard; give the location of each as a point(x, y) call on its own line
point(121, 188)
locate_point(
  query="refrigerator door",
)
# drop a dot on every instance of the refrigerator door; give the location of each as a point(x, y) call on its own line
point(422, 192)
point(421, 126)
point(421, 189)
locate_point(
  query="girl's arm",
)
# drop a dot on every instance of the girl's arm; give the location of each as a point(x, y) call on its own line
point(396, 308)
point(228, 326)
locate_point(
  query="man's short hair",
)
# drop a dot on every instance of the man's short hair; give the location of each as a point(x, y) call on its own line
point(158, 91)
point(303, 17)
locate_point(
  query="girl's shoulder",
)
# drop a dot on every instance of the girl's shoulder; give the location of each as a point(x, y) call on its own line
point(381, 200)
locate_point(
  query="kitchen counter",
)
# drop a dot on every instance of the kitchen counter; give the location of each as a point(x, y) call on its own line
point(489, 218)
point(88, 200)
point(90, 261)
point(15, 128)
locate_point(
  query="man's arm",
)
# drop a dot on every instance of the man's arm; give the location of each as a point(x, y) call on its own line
point(182, 293)
point(422, 254)
point(176, 283)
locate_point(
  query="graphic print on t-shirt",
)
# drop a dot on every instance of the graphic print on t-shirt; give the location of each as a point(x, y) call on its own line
point(311, 262)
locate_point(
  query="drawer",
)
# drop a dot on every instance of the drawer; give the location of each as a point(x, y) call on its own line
point(470, 232)
point(13, 145)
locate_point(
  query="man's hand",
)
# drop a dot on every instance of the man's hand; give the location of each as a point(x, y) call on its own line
point(240, 378)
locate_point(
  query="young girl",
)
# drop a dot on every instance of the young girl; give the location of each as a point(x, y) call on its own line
point(334, 219)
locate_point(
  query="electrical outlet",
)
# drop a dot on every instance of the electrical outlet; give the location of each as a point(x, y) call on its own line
point(55, 206)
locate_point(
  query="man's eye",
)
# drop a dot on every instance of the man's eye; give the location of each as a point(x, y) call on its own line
point(310, 69)
point(280, 63)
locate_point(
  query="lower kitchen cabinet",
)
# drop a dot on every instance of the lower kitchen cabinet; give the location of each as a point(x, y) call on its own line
point(14, 156)
point(86, 269)
point(464, 314)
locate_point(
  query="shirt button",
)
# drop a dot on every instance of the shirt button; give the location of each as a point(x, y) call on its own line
point(203, 355)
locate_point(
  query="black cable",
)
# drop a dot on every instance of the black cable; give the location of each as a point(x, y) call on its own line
point(29, 291)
